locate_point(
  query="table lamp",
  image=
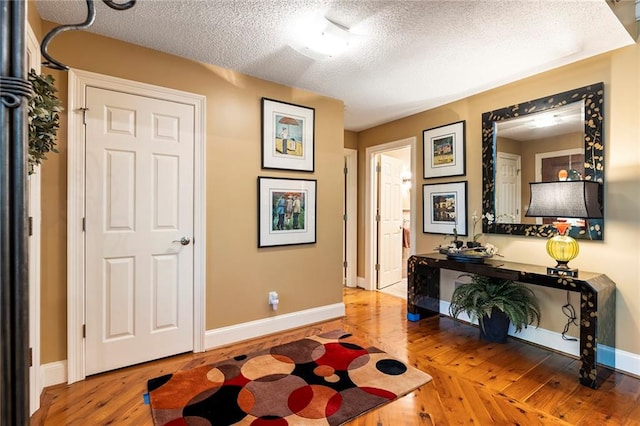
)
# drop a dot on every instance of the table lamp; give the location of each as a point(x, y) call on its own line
point(561, 200)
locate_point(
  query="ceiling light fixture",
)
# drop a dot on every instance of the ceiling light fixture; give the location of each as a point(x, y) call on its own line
point(324, 41)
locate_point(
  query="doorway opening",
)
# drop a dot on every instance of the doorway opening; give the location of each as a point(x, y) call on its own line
point(387, 231)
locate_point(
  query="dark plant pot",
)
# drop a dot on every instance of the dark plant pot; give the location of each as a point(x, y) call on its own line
point(473, 244)
point(496, 327)
point(458, 243)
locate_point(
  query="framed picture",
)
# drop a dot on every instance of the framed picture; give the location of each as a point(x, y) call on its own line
point(445, 208)
point(286, 211)
point(288, 133)
point(444, 150)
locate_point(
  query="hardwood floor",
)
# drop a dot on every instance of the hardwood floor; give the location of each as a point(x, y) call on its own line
point(474, 382)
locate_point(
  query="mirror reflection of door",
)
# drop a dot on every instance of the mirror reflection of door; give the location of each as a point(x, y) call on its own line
point(508, 185)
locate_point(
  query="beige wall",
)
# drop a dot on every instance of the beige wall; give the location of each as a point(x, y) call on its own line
point(618, 255)
point(239, 275)
point(350, 139)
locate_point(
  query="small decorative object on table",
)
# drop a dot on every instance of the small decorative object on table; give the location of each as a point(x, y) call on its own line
point(468, 254)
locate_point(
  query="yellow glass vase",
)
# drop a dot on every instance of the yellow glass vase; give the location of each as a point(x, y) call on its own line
point(562, 248)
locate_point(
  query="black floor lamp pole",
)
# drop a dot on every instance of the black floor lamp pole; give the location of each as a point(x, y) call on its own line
point(14, 283)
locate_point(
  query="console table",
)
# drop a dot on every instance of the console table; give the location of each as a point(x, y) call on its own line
point(597, 298)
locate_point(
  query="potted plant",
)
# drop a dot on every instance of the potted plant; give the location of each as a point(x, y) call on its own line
point(495, 303)
point(44, 118)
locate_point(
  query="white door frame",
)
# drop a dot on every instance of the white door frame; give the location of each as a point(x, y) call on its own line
point(370, 204)
point(35, 213)
point(351, 210)
point(78, 82)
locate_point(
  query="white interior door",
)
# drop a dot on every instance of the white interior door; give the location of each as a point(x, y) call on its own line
point(390, 225)
point(509, 187)
point(35, 216)
point(139, 205)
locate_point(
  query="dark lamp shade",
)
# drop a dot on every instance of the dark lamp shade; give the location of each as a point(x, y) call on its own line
point(570, 199)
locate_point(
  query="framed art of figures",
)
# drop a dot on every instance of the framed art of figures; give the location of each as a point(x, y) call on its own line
point(286, 211)
point(445, 208)
point(444, 150)
point(288, 133)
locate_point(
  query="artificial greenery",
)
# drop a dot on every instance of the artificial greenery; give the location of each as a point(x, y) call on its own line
point(479, 297)
point(44, 120)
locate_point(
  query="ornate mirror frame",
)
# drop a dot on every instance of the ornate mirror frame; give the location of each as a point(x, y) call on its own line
point(593, 96)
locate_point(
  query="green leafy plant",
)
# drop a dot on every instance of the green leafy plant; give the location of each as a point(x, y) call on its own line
point(44, 118)
point(479, 297)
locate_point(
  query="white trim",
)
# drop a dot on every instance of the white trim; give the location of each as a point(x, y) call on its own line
point(250, 330)
point(78, 82)
point(351, 237)
point(370, 207)
point(624, 361)
point(35, 242)
point(611, 357)
point(54, 373)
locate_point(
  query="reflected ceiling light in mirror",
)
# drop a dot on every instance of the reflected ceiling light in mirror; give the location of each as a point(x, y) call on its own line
point(322, 39)
point(546, 121)
point(544, 124)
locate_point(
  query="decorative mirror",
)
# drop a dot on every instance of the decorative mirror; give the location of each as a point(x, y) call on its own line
point(558, 137)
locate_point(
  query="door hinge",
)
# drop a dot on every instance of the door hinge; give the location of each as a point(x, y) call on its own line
point(346, 171)
point(378, 267)
point(30, 225)
point(30, 357)
point(84, 224)
point(378, 217)
point(84, 331)
point(345, 264)
point(378, 168)
point(84, 115)
point(344, 217)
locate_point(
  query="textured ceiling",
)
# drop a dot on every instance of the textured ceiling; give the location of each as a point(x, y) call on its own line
point(410, 55)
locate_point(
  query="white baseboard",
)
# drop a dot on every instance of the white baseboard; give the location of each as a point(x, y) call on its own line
point(53, 373)
point(611, 357)
point(250, 330)
point(624, 361)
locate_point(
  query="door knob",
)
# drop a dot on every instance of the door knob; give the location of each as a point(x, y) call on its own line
point(184, 241)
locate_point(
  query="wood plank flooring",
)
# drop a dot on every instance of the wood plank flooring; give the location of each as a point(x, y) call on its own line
point(474, 382)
